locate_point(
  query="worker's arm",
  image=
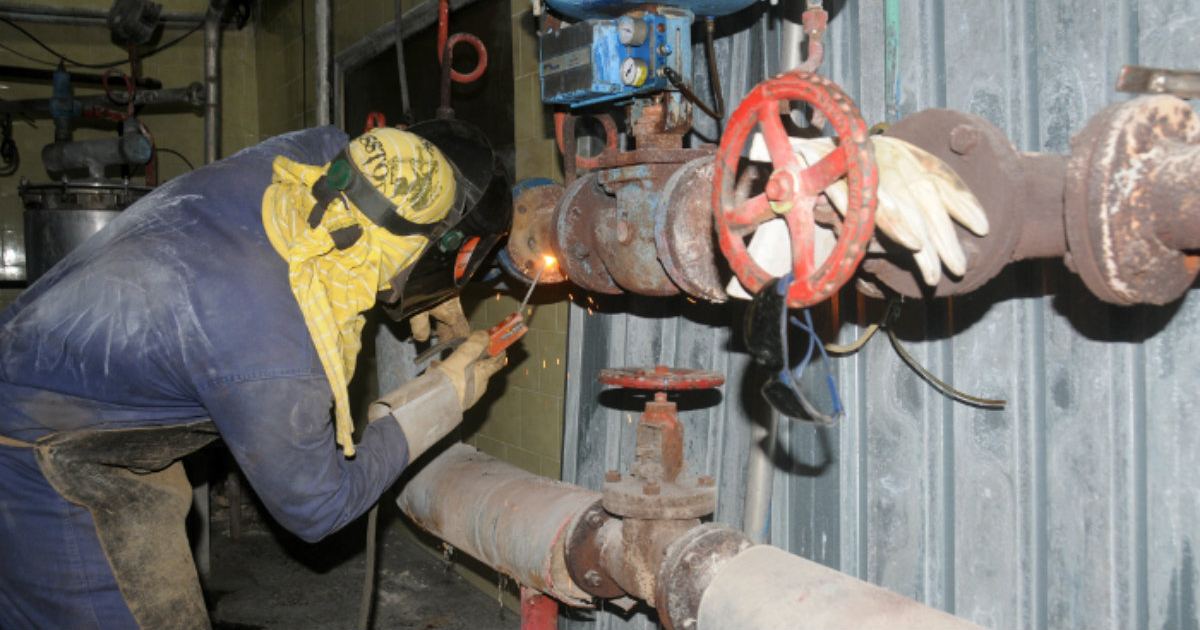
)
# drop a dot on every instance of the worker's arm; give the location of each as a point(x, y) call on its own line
point(279, 430)
point(429, 407)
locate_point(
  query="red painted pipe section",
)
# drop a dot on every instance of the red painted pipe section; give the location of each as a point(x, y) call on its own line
point(538, 611)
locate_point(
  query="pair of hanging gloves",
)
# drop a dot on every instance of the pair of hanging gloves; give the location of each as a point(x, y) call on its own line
point(920, 197)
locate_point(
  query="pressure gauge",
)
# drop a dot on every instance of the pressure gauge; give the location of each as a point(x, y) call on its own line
point(631, 31)
point(634, 71)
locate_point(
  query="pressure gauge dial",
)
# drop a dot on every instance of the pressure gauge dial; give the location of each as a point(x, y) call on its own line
point(634, 71)
point(631, 31)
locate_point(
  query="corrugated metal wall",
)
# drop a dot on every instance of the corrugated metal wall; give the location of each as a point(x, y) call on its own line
point(1074, 507)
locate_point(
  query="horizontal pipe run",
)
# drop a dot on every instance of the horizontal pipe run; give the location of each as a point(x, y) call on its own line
point(69, 16)
point(77, 78)
point(767, 587)
point(509, 519)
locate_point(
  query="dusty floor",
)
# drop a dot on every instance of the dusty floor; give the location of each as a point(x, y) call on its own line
point(270, 579)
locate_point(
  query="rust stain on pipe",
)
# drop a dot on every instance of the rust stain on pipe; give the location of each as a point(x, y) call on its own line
point(509, 519)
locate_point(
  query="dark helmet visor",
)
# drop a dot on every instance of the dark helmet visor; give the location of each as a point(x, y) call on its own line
point(481, 216)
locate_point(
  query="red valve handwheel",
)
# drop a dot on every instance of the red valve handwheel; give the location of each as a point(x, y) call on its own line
point(793, 190)
point(661, 378)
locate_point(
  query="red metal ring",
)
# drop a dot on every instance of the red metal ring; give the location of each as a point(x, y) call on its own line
point(480, 66)
point(796, 187)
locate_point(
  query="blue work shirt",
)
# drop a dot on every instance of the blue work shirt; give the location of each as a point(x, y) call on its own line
point(180, 310)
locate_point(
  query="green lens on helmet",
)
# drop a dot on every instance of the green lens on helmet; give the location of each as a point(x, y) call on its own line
point(339, 175)
point(450, 241)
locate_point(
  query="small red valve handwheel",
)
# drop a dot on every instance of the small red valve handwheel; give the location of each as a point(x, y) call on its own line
point(792, 189)
point(661, 378)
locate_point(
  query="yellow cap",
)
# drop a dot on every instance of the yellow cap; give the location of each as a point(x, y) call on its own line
point(408, 170)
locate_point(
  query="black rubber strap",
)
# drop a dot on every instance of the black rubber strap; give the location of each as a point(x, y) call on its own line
point(378, 208)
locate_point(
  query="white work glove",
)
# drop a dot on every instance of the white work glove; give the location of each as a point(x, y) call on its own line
point(451, 322)
point(430, 406)
point(469, 368)
point(918, 196)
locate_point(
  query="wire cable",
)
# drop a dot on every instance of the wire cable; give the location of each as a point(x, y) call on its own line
point(73, 62)
point(27, 57)
point(936, 382)
point(178, 155)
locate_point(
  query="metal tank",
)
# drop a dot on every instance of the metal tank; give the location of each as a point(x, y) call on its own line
point(60, 216)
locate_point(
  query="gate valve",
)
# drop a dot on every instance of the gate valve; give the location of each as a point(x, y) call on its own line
point(655, 488)
point(792, 189)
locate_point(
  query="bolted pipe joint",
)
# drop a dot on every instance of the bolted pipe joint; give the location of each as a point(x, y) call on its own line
point(690, 564)
point(633, 549)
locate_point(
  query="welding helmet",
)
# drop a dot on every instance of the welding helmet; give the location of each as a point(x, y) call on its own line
point(461, 167)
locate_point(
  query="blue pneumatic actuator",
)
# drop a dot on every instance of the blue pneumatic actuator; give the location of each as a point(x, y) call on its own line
point(600, 60)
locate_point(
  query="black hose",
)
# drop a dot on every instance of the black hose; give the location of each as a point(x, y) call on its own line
point(364, 618)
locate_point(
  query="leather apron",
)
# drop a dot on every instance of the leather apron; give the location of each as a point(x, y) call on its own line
point(132, 482)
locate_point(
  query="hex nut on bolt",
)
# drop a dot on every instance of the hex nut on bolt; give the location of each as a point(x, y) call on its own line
point(592, 577)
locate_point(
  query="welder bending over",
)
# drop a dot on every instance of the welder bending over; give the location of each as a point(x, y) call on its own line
point(229, 303)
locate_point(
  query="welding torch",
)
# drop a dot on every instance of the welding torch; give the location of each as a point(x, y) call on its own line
point(503, 334)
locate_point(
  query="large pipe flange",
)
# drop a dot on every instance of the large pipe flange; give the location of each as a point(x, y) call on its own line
point(1132, 204)
point(683, 231)
point(575, 243)
point(532, 235)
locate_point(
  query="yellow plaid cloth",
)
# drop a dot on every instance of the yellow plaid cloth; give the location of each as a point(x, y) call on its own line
point(335, 287)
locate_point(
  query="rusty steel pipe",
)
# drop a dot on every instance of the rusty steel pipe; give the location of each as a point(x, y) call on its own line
point(767, 587)
point(509, 519)
point(1123, 210)
point(555, 538)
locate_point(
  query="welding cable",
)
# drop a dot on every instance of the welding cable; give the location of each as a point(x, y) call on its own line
point(894, 313)
point(68, 60)
point(364, 617)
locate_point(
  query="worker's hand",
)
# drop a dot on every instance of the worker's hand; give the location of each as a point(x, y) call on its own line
point(469, 368)
point(449, 318)
point(919, 195)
